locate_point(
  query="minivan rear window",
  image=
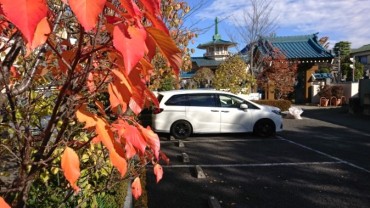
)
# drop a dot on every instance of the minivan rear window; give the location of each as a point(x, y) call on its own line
point(177, 100)
point(203, 100)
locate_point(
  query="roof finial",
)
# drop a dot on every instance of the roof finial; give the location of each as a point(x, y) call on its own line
point(216, 36)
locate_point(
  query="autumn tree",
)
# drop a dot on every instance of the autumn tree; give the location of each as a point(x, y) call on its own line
point(256, 21)
point(203, 77)
point(279, 73)
point(73, 77)
point(232, 75)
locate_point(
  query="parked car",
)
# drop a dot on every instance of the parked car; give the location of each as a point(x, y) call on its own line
point(184, 112)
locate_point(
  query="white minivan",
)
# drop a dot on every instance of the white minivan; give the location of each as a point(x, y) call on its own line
point(184, 112)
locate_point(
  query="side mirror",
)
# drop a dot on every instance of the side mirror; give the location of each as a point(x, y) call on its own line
point(243, 106)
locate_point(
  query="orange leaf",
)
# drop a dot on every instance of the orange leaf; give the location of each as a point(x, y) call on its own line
point(136, 188)
point(3, 203)
point(71, 167)
point(84, 116)
point(105, 134)
point(152, 139)
point(118, 95)
point(25, 15)
point(123, 79)
point(167, 47)
point(157, 23)
point(158, 172)
point(119, 162)
point(130, 42)
point(100, 106)
point(115, 98)
point(41, 33)
point(87, 11)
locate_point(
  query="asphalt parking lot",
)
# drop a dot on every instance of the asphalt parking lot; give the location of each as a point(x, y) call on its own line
point(322, 160)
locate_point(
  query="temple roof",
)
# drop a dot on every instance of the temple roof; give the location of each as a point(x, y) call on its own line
point(203, 62)
point(216, 42)
point(294, 47)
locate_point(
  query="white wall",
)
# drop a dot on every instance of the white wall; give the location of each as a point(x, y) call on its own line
point(350, 90)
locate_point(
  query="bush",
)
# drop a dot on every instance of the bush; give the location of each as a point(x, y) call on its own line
point(284, 105)
point(337, 91)
point(325, 91)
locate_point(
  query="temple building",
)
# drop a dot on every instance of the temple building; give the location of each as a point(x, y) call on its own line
point(305, 50)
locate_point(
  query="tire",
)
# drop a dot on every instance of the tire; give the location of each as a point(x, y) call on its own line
point(181, 129)
point(264, 128)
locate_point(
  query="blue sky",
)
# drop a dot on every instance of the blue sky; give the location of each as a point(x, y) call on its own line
point(340, 20)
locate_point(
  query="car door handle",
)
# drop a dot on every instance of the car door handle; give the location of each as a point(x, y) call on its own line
point(214, 110)
point(224, 111)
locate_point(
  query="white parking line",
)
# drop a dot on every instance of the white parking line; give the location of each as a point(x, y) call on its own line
point(325, 154)
point(250, 165)
point(218, 140)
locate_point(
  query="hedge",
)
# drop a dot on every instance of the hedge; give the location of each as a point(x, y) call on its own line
point(284, 105)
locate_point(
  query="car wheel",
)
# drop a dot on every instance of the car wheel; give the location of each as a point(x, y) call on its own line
point(181, 129)
point(264, 128)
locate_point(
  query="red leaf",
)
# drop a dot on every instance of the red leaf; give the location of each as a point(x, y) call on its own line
point(119, 126)
point(14, 72)
point(84, 116)
point(87, 11)
point(136, 188)
point(158, 172)
point(71, 167)
point(130, 42)
point(130, 150)
point(152, 139)
point(152, 6)
point(131, 8)
point(41, 33)
point(167, 47)
point(119, 162)
point(134, 137)
point(3, 203)
point(25, 15)
point(90, 83)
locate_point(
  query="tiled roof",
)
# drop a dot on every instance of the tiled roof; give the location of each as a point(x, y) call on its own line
point(201, 61)
point(187, 75)
point(294, 47)
point(361, 49)
point(216, 42)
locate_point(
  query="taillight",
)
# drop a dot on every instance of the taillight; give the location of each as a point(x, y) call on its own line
point(157, 110)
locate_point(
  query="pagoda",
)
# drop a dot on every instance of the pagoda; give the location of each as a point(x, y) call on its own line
point(217, 51)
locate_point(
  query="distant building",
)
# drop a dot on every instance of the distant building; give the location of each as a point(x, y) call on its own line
point(217, 51)
point(362, 55)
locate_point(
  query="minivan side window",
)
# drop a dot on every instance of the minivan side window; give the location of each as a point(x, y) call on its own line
point(202, 100)
point(177, 100)
point(230, 101)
